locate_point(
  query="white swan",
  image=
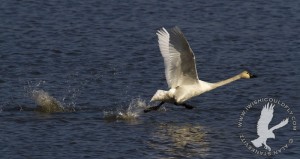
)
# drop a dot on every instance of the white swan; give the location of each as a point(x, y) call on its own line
point(180, 70)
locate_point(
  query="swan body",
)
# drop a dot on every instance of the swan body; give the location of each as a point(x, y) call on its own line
point(180, 70)
point(182, 93)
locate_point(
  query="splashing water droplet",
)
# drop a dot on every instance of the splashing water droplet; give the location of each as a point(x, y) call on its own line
point(45, 102)
point(49, 104)
point(132, 112)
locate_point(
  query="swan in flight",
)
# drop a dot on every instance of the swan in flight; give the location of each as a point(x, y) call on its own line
point(180, 70)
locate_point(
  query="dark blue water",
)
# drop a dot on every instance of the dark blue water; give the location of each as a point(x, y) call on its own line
point(99, 56)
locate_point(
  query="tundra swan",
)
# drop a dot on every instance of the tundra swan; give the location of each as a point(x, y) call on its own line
point(180, 71)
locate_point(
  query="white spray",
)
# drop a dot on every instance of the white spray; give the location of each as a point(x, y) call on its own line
point(45, 102)
point(132, 112)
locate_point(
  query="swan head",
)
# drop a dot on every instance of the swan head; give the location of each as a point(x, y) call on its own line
point(247, 74)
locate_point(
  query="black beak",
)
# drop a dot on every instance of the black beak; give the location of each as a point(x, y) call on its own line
point(253, 76)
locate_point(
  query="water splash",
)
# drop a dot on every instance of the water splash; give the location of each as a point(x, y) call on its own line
point(75, 85)
point(132, 112)
point(49, 104)
point(45, 102)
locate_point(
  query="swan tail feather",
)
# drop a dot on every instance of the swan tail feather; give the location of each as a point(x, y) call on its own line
point(161, 95)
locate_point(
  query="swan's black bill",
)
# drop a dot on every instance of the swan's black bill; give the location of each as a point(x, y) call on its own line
point(250, 74)
point(253, 76)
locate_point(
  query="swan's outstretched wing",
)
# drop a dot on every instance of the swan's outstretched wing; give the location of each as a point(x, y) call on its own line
point(265, 118)
point(281, 124)
point(179, 59)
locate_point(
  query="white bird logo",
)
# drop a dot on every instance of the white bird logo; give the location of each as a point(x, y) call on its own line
point(262, 126)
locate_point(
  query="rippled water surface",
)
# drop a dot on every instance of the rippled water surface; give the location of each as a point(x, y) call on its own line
point(99, 61)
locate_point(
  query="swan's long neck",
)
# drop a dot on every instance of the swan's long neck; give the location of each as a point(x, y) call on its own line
point(227, 81)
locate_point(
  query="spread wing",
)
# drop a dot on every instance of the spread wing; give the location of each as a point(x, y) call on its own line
point(281, 124)
point(265, 118)
point(179, 59)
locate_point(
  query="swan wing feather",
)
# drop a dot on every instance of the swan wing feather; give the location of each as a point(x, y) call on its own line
point(179, 59)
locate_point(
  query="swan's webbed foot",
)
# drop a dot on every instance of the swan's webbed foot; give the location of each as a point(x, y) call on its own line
point(153, 108)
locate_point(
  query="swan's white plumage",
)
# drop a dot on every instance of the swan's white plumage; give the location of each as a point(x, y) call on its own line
point(179, 59)
point(180, 69)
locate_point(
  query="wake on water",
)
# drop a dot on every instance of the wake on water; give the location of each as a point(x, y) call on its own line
point(49, 104)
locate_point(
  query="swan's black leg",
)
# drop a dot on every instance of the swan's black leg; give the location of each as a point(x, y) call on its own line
point(154, 108)
point(185, 105)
